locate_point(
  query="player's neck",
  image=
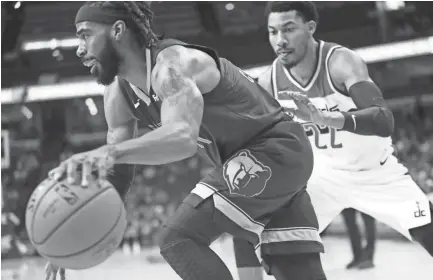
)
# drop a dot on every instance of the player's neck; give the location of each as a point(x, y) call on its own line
point(304, 70)
point(134, 69)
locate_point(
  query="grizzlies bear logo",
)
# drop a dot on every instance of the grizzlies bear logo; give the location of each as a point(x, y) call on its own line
point(245, 175)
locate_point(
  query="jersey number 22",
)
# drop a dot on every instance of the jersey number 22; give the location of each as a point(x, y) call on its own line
point(319, 136)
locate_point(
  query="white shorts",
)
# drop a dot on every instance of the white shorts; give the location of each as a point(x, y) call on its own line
point(385, 193)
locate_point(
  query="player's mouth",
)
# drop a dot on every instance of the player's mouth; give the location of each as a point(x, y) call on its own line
point(91, 63)
point(284, 53)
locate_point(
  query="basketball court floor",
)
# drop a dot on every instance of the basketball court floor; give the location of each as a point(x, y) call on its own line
point(396, 260)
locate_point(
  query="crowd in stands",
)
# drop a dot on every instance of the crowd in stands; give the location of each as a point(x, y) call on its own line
point(413, 142)
point(157, 190)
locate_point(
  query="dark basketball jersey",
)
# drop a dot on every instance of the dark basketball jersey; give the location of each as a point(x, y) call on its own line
point(332, 148)
point(235, 112)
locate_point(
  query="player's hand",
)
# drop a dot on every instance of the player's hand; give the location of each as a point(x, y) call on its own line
point(52, 270)
point(99, 160)
point(306, 110)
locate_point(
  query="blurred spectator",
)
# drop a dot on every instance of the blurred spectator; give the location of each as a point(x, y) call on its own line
point(10, 243)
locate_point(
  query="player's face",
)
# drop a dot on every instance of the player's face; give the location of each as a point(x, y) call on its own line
point(289, 36)
point(97, 52)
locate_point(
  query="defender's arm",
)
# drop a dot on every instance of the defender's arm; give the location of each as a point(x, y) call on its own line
point(349, 72)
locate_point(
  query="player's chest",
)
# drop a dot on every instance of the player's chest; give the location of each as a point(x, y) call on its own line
point(147, 110)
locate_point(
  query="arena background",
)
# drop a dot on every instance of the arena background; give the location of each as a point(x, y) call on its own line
point(51, 108)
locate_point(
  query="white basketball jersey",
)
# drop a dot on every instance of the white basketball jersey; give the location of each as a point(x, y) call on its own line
point(333, 148)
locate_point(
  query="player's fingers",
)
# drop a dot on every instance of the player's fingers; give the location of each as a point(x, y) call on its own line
point(292, 111)
point(102, 169)
point(110, 159)
point(71, 170)
point(296, 97)
point(313, 108)
point(57, 172)
point(86, 172)
point(62, 274)
point(291, 94)
point(303, 99)
point(299, 103)
point(284, 95)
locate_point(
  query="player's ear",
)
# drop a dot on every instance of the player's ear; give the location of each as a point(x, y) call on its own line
point(312, 26)
point(118, 30)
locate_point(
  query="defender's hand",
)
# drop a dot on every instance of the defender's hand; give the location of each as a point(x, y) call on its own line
point(306, 110)
point(100, 160)
point(52, 270)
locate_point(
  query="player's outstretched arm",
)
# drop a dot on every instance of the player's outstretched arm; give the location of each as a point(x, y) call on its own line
point(349, 72)
point(180, 78)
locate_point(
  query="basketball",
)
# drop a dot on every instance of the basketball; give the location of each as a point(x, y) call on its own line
point(75, 227)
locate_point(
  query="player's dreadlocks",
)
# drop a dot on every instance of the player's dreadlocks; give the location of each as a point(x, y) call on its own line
point(141, 15)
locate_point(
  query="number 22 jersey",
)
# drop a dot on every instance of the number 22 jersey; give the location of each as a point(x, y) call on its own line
point(332, 148)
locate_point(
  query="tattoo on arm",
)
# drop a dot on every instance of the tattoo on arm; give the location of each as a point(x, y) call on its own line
point(182, 100)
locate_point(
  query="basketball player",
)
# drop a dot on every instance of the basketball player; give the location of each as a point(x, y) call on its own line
point(328, 88)
point(195, 102)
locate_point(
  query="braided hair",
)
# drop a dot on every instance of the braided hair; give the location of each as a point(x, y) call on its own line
point(141, 15)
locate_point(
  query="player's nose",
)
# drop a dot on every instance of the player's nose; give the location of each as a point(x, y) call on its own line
point(81, 51)
point(281, 39)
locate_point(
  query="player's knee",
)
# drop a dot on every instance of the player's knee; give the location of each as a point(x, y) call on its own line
point(169, 236)
point(297, 266)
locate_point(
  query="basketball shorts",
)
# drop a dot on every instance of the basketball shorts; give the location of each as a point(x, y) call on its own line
point(259, 195)
point(387, 193)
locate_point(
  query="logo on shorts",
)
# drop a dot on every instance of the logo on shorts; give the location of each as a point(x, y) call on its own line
point(419, 213)
point(245, 175)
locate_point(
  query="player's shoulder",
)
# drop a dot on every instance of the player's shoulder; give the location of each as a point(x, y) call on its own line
point(187, 62)
point(183, 56)
point(345, 64)
point(343, 57)
point(346, 67)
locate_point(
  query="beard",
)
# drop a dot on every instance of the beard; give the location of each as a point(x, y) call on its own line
point(109, 62)
point(296, 57)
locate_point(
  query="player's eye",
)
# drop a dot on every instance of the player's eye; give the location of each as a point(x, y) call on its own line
point(83, 36)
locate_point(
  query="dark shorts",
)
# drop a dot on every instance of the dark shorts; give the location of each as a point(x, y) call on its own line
point(292, 230)
point(258, 195)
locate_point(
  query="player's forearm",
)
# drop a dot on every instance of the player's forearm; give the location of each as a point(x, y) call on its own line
point(377, 121)
point(169, 143)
